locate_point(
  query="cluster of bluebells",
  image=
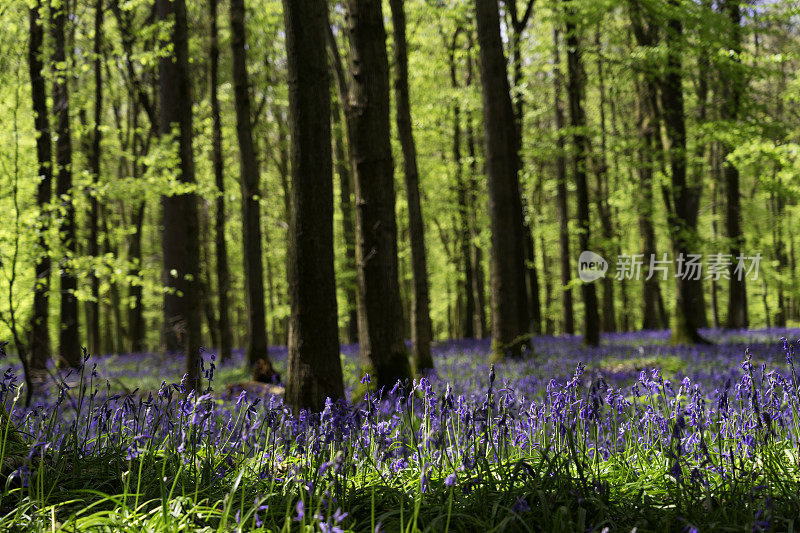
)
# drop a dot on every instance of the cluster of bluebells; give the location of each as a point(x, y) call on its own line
point(438, 429)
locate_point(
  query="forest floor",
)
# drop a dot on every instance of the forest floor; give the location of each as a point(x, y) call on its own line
point(633, 433)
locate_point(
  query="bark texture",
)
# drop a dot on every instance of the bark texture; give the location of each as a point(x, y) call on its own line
point(69, 340)
point(576, 90)
point(421, 330)
point(180, 233)
point(220, 243)
point(39, 344)
point(250, 185)
point(510, 324)
point(314, 366)
point(380, 317)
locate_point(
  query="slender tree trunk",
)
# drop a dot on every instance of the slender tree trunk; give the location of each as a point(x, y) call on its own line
point(314, 366)
point(69, 340)
point(568, 315)
point(180, 234)
point(93, 306)
point(250, 184)
point(220, 242)
point(531, 274)
point(478, 278)
point(684, 197)
point(136, 326)
point(344, 165)
point(115, 338)
point(651, 292)
point(465, 235)
point(778, 203)
point(697, 303)
point(40, 334)
point(206, 289)
point(347, 278)
point(603, 208)
point(380, 313)
point(576, 88)
point(510, 320)
point(733, 88)
point(421, 332)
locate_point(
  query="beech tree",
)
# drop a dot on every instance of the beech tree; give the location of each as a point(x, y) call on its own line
point(180, 233)
point(251, 186)
point(383, 350)
point(39, 345)
point(421, 334)
point(510, 333)
point(314, 367)
point(69, 345)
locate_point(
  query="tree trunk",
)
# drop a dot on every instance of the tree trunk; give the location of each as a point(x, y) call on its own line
point(651, 292)
point(464, 233)
point(567, 313)
point(518, 26)
point(69, 341)
point(510, 321)
point(250, 185)
point(380, 314)
point(115, 338)
point(180, 234)
point(478, 278)
point(314, 366)
point(347, 278)
point(421, 333)
point(93, 306)
point(684, 197)
point(603, 208)
point(576, 88)
point(220, 242)
point(732, 89)
point(39, 330)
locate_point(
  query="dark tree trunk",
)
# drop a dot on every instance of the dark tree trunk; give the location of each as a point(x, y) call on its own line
point(651, 292)
point(348, 278)
point(518, 25)
point(603, 209)
point(421, 333)
point(180, 233)
point(344, 164)
point(510, 320)
point(93, 306)
point(478, 279)
point(778, 205)
point(250, 184)
point(69, 340)
point(314, 366)
point(380, 314)
point(567, 313)
point(115, 337)
point(715, 172)
point(220, 242)
point(576, 88)
point(684, 197)
point(206, 288)
point(39, 331)
point(464, 232)
point(697, 304)
point(733, 88)
point(136, 326)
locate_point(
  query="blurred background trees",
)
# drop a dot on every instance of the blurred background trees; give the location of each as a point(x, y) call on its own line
point(155, 178)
